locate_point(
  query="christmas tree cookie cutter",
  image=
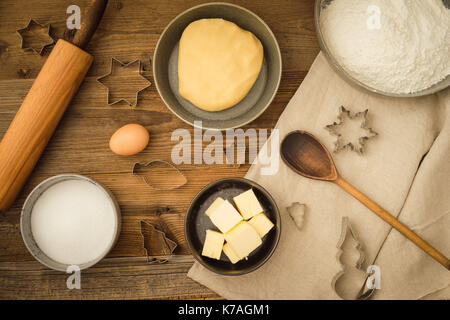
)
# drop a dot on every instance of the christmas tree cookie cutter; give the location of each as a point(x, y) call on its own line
point(32, 24)
point(166, 248)
point(297, 212)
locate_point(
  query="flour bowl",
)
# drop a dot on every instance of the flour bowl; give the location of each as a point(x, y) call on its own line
point(321, 5)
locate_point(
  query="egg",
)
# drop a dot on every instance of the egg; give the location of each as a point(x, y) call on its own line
point(129, 139)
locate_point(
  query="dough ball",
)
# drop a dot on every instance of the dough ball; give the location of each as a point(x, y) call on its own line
point(218, 63)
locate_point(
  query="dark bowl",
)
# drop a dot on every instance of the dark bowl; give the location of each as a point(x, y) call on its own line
point(196, 223)
point(165, 68)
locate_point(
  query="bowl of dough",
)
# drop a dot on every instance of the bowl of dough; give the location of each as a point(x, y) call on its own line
point(397, 48)
point(217, 66)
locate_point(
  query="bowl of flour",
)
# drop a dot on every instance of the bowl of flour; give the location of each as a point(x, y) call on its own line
point(70, 220)
point(396, 48)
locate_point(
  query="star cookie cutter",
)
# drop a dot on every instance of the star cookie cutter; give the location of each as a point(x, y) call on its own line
point(149, 183)
point(32, 24)
point(334, 130)
point(123, 65)
point(168, 246)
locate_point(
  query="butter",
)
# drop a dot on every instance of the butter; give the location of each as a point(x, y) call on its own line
point(225, 216)
point(243, 239)
point(214, 206)
point(229, 252)
point(261, 224)
point(248, 204)
point(212, 247)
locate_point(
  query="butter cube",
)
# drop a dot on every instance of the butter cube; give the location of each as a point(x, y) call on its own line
point(228, 250)
point(225, 216)
point(212, 247)
point(261, 224)
point(248, 204)
point(216, 203)
point(243, 239)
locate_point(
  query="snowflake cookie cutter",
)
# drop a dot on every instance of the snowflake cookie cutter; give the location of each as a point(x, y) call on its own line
point(121, 64)
point(360, 144)
point(149, 183)
point(28, 28)
point(168, 245)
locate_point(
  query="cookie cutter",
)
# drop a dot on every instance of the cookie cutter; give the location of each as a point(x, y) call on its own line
point(297, 212)
point(170, 165)
point(123, 65)
point(334, 130)
point(169, 245)
point(33, 23)
point(346, 229)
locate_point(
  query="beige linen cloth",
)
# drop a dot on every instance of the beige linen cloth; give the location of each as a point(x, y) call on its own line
point(305, 262)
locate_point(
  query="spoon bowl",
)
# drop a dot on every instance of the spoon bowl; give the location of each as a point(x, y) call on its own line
point(306, 155)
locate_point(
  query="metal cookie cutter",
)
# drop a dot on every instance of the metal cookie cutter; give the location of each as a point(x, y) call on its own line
point(168, 246)
point(346, 229)
point(30, 26)
point(111, 71)
point(170, 165)
point(345, 114)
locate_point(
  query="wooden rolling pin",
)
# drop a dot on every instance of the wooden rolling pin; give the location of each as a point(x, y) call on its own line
point(44, 105)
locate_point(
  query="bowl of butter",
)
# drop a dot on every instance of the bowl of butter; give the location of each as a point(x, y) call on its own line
point(217, 66)
point(232, 226)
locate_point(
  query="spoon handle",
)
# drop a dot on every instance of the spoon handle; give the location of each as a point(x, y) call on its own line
point(386, 216)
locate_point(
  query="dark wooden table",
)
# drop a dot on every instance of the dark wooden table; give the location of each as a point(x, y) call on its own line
point(129, 30)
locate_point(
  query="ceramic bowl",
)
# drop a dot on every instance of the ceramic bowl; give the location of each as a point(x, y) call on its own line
point(196, 224)
point(25, 222)
point(165, 64)
point(321, 5)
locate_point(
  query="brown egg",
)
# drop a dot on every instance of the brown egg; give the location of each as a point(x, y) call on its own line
point(129, 139)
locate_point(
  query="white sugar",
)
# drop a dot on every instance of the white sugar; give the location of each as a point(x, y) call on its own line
point(73, 222)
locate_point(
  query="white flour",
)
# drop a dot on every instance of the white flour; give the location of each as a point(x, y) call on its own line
point(73, 222)
point(397, 46)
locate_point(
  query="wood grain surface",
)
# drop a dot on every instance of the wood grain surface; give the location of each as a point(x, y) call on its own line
point(129, 30)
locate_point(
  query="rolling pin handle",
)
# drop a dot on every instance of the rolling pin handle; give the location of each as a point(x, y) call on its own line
point(89, 23)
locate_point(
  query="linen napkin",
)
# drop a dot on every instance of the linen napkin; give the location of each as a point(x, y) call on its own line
point(391, 172)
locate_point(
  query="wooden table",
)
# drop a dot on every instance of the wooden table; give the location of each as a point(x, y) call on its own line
point(129, 30)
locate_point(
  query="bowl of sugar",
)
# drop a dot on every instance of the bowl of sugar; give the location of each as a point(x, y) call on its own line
point(70, 220)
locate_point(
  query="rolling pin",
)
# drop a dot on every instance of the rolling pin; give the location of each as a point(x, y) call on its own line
point(44, 106)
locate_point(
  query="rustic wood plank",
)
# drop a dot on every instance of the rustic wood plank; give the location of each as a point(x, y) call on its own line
point(116, 278)
point(79, 146)
point(129, 30)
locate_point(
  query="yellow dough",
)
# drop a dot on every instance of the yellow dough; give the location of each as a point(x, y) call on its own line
point(218, 63)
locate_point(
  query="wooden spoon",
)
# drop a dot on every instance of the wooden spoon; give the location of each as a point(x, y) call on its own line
point(304, 154)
